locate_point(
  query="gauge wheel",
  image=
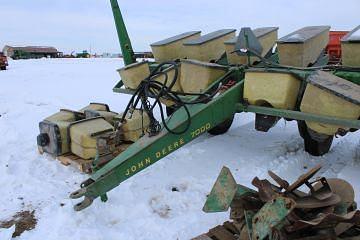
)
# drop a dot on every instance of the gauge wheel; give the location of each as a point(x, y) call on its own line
point(312, 145)
point(222, 127)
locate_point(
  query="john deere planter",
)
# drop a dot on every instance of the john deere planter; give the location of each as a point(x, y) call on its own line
point(201, 84)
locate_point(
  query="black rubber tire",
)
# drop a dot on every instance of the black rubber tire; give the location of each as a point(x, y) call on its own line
point(222, 127)
point(353, 130)
point(302, 128)
point(3, 68)
point(170, 110)
point(316, 148)
point(313, 146)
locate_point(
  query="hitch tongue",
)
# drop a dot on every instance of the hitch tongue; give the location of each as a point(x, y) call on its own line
point(84, 204)
point(78, 194)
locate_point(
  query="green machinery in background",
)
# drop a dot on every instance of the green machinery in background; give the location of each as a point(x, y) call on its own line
point(214, 108)
point(83, 54)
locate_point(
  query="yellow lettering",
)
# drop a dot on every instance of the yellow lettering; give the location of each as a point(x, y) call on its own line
point(164, 151)
point(140, 165)
point(181, 141)
point(158, 154)
point(176, 144)
point(197, 132)
point(170, 148)
point(200, 130)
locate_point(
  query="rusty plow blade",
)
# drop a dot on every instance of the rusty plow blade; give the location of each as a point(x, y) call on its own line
point(281, 211)
point(326, 220)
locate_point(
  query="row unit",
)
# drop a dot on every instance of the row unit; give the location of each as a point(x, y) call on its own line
point(193, 76)
point(325, 94)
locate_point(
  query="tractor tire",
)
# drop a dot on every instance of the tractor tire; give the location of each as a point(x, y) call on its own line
point(314, 147)
point(222, 127)
point(170, 110)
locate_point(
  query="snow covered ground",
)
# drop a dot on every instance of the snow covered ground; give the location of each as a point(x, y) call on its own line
point(144, 207)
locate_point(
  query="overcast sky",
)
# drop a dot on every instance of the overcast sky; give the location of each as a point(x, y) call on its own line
point(75, 25)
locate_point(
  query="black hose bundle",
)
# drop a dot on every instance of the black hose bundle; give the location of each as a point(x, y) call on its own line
point(149, 88)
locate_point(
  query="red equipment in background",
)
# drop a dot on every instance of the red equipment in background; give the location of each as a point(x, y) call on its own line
point(334, 47)
point(3, 61)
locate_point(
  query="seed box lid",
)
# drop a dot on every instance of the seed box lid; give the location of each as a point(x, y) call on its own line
point(210, 36)
point(353, 36)
point(304, 34)
point(336, 85)
point(175, 38)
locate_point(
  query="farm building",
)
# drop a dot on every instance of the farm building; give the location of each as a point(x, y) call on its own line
point(31, 52)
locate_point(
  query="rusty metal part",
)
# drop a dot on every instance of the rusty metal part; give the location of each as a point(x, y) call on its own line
point(202, 237)
point(310, 202)
point(283, 212)
point(239, 224)
point(267, 191)
point(323, 192)
point(319, 236)
point(297, 193)
point(252, 203)
point(343, 227)
point(244, 234)
point(351, 238)
point(278, 234)
point(326, 220)
point(282, 183)
point(270, 216)
point(341, 188)
point(237, 210)
point(108, 146)
point(303, 179)
point(227, 231)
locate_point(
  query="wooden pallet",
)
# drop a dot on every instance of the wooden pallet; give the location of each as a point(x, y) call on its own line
point(71, 159)
point(227, 231)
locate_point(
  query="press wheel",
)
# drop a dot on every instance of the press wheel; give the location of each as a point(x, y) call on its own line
point(314, 146)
